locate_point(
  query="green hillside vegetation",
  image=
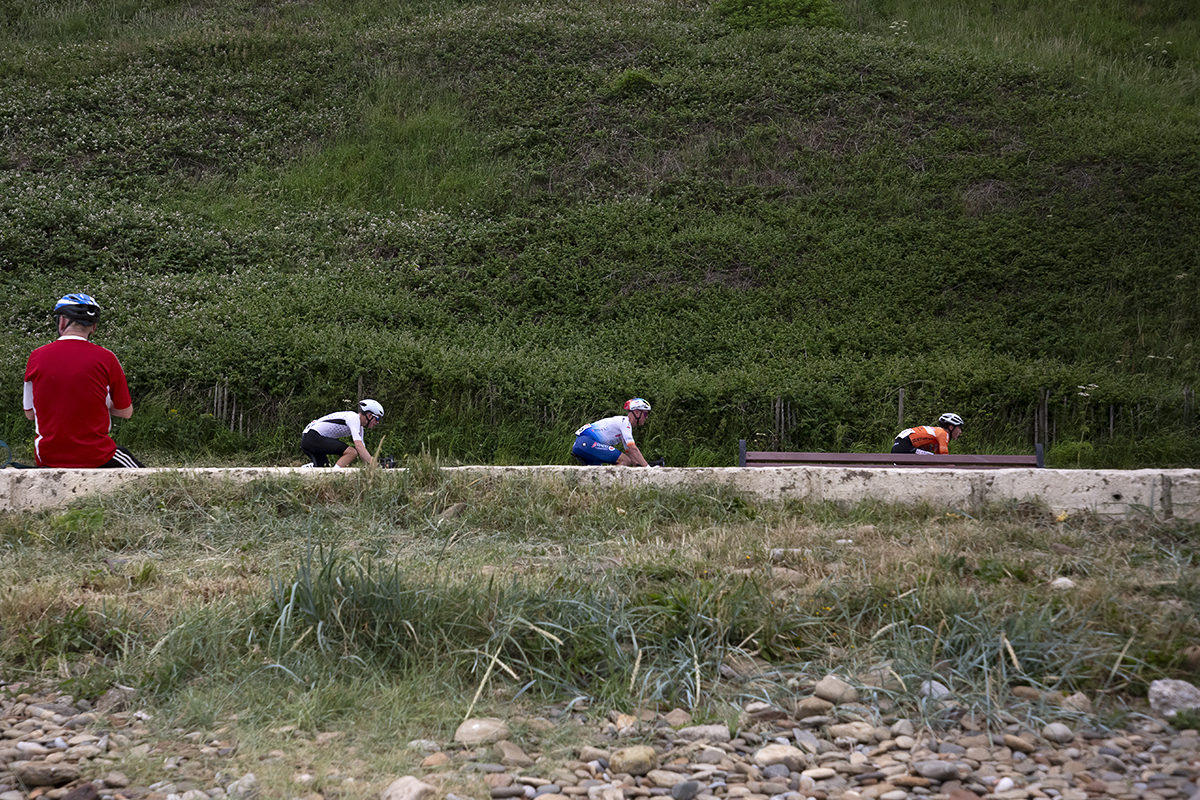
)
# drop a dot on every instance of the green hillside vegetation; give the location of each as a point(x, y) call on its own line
point(502, 220)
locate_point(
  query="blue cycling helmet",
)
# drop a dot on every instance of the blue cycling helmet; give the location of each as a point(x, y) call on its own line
point(78, 307)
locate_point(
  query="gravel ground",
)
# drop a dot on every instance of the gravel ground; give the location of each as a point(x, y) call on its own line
point(825, 747)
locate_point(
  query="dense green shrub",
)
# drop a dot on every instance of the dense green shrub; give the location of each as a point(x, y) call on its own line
point(753, 14)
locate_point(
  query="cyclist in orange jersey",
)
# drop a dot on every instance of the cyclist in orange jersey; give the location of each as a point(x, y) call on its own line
point(929, 439)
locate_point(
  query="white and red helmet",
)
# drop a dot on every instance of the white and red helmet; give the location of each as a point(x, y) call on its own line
point(637, 404)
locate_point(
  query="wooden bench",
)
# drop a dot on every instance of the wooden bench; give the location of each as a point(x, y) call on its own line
point(764, 458)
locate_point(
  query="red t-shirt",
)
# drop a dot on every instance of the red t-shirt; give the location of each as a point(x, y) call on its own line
point(71, 381)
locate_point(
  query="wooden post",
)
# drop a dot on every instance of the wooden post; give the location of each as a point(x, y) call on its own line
point(1037, 420)
point(778, 409)
point(1043, 417)
point(900, 409)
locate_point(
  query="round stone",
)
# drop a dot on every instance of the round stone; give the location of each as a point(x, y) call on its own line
point(686, 790)
point(1058, 733)
point(636, 760)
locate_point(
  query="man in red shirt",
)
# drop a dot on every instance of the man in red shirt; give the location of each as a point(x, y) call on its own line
point(928, 439)
point(71, 388)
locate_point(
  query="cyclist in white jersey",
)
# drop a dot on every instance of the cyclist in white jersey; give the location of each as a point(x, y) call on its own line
point(321, 436)
point(602, 441)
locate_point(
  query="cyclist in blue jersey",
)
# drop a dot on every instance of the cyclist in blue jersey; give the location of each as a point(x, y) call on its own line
point(610, 440)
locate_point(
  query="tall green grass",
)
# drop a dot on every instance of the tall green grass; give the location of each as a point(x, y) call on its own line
point(411, 147)
point(284, 601)
point(1149, 53)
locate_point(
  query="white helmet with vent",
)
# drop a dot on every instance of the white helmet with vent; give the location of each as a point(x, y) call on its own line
point(371, 407)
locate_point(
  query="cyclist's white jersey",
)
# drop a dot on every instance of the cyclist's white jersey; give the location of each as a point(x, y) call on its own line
point(611, 431)
point(338, 425)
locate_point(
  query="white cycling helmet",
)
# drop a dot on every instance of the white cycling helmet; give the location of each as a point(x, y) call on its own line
point(371, 407)
point(637, 404)
point(950, 419)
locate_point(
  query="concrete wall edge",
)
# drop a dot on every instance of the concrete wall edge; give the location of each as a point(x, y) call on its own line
point(1109, 493)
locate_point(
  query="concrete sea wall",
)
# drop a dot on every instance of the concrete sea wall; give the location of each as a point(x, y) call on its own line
point(1165, 493)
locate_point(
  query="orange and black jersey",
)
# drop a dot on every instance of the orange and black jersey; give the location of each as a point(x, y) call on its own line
point(923, 437)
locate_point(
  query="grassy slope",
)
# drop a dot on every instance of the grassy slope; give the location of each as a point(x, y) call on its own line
point(505, 219)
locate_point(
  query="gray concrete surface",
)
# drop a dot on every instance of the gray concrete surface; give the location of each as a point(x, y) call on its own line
point(1165, 493)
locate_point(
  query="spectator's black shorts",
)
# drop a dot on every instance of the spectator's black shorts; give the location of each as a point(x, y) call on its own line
point(316, 447)
point(122, 459)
